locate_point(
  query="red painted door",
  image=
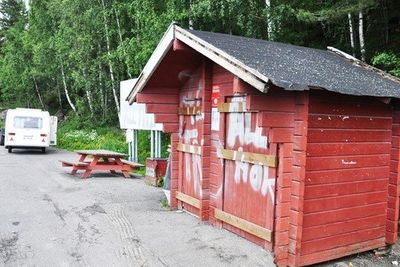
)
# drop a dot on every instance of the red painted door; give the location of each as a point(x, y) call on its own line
point(191, 134)
point(249, 189)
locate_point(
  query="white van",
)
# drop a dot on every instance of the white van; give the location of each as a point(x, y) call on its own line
point(30, 128)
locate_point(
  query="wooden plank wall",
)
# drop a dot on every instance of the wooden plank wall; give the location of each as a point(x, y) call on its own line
point(392, 219)
point(194, 130)
point(282, 116)
point(222, 80)
point(347, 175)
point(333, 195)
point(164, 102)
point(298, 178)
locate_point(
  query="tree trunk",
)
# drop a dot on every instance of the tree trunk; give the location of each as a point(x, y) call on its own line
point(102, 97)
point(103, 91)
point(361, 34)
point(121, 43)
point(38, 93)
point(109, 58)
point(385, 21)
point(190, 17)
point(88, 93)
point(59, 98)
point(351, 32)
point(269, 25)
point(66, 88)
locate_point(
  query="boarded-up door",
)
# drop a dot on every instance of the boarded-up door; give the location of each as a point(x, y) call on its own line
point(191, 122)
point(249, 175)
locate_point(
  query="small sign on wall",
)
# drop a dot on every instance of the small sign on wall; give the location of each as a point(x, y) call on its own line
point(215, 119)
point(216, 100)
point(216, 97)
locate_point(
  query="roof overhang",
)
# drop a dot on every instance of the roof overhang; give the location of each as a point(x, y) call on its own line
point(174, 32)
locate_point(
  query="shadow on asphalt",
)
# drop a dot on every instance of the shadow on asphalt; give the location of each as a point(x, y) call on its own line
point(102, 176)
point(21, 151)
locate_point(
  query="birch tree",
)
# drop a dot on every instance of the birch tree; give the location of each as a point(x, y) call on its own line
point(110, 65)
point(351, 34)
point(361, 34)
point(64, 80)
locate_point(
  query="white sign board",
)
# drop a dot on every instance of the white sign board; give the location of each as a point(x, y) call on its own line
point(134, 116)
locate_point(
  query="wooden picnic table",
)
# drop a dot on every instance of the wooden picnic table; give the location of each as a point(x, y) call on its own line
point(91, 160)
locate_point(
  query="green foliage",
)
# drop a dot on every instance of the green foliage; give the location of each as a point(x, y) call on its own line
point(164, 203)
point(12, 11)
point(100, 138)
point(389, 61)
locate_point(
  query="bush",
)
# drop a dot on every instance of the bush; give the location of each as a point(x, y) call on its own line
point(101, 138)
point(72, 135)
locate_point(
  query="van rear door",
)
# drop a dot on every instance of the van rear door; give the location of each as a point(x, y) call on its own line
point(27, 131)
point(53, 130)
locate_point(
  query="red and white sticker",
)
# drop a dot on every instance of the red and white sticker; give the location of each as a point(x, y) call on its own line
point(216, 97)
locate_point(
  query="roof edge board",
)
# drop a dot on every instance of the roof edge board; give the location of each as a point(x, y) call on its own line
point(233, 65)
point(152, 64)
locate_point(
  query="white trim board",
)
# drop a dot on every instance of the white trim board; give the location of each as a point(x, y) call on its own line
point(238, 68)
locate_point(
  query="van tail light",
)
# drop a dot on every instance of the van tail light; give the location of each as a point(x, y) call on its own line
point(11, 133)
point(43, 135)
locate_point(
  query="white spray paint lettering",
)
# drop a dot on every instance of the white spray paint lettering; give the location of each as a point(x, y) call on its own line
point(239, 133)
point(190, 135)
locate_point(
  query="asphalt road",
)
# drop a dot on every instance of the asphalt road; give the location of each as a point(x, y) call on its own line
point(50, 218)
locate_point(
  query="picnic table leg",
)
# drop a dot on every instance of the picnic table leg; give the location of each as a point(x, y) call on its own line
point(106, 160)
point(75, 168)
point(82, 157)
point(125, 173)
point(88, 169)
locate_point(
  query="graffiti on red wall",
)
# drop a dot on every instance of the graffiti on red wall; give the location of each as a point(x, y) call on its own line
point(190, 133)
point(240, 136)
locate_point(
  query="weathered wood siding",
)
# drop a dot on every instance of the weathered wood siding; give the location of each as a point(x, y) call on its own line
point(280, 119)
point(392, 216)
point(347, 175)
point(194, 130)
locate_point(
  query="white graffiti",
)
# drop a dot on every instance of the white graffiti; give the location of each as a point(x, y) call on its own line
point(239, 130)
point(190, 135)
point(239, 133)
point(346, 162)
point(257, 176)
point(193, 171)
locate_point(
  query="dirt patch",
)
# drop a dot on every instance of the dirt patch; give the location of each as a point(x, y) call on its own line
point(8, 247)
point(95, 208)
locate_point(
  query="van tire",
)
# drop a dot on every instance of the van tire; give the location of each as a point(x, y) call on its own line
point(43, 150)
point(9, 149)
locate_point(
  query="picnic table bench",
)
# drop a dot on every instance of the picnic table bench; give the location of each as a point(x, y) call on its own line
point(106, 160)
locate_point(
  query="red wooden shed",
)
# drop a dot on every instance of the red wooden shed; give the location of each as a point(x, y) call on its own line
point(295, 149)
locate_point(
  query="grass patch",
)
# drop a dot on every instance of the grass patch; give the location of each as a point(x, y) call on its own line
point(100, 138)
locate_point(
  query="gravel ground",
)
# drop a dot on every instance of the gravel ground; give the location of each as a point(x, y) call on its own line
point(51, 218)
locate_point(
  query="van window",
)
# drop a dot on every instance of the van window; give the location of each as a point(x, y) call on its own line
point(28, 122)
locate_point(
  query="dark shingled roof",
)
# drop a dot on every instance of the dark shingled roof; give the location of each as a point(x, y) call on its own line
point(299, 68)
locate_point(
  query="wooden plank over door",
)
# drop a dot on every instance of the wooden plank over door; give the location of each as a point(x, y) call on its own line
point(244, 225)
point(249, 174)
